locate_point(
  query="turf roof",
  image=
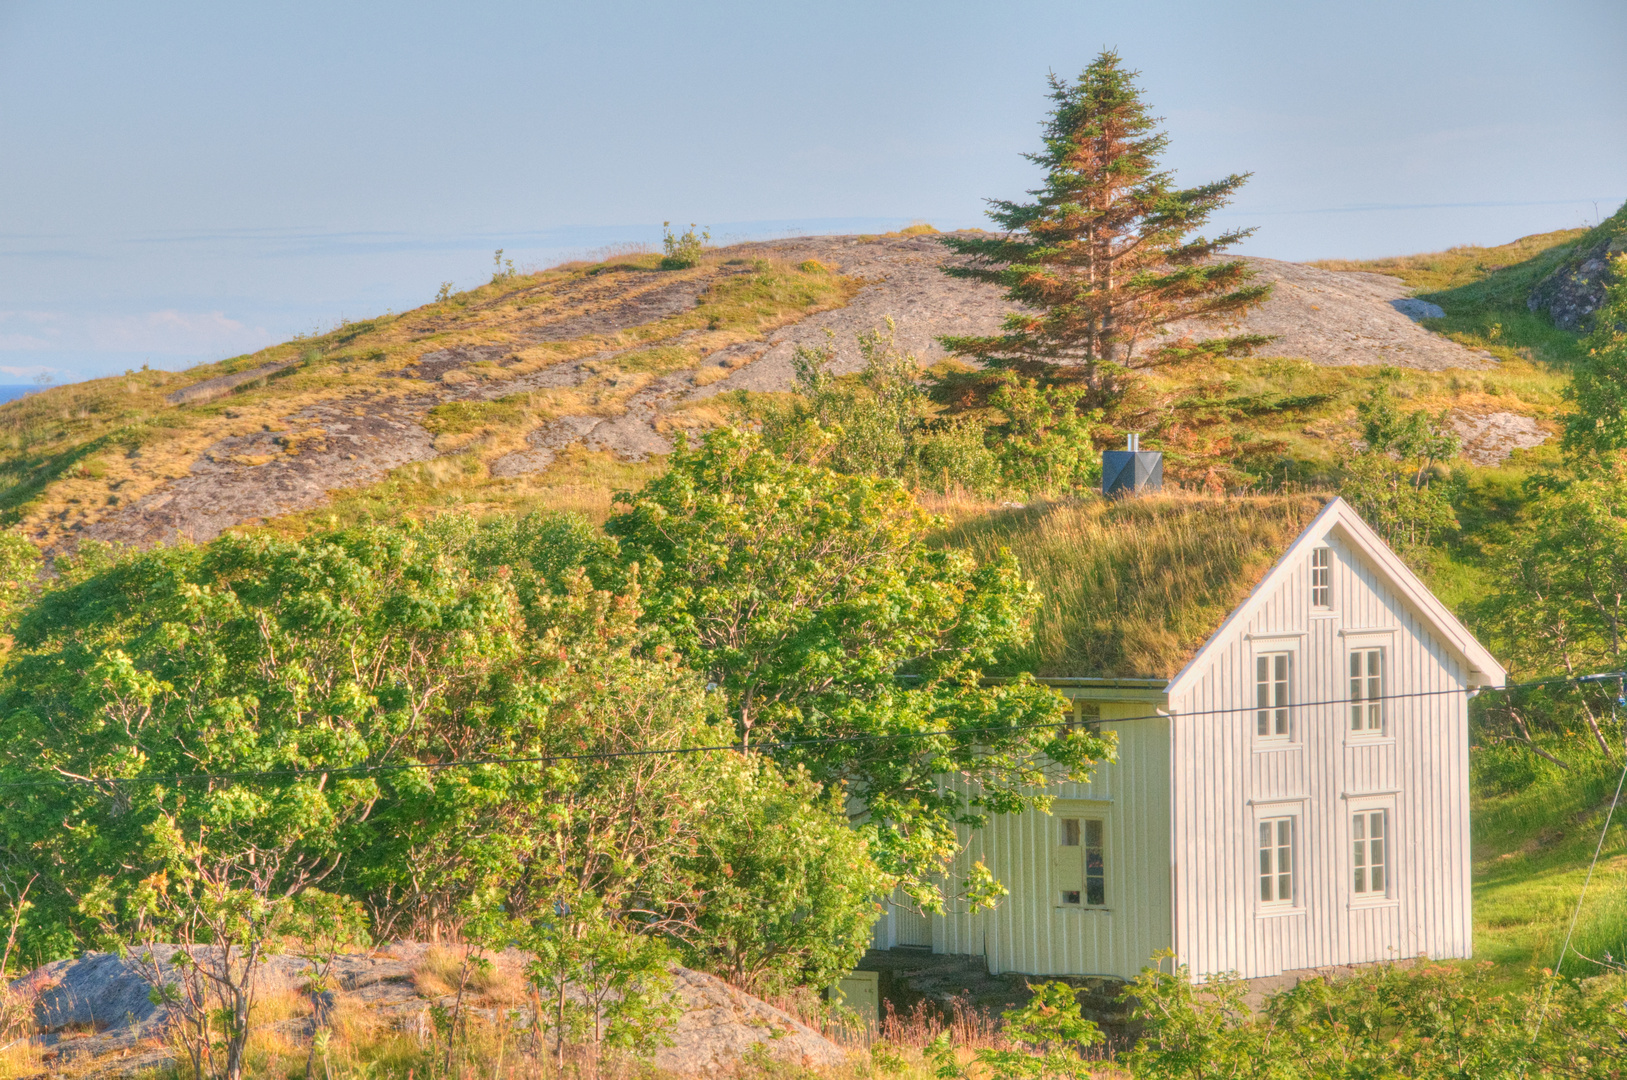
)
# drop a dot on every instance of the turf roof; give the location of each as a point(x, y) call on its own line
point(1133, 588)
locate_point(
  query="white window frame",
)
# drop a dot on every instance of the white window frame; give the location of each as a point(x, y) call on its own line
point(1365, 706)
point(1073, 829)
point(1278, 713)
point(1362, 848)
point(1268, 860)
point(1322, 577)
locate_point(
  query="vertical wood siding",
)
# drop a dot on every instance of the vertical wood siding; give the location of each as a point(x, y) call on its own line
point(1030, 931)
point(1225, 780)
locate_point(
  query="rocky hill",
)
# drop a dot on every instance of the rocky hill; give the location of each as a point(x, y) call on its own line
point(505, 388)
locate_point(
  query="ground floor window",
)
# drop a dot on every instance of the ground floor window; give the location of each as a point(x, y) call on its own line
point(1082, 861)
point(1277, 860)
point(1371, 854)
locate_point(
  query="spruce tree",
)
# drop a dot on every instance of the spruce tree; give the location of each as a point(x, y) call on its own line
point(1104, 254)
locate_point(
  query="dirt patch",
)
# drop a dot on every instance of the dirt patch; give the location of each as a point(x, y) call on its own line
point(1327, 317)
point(905, 283)
point(221, 385)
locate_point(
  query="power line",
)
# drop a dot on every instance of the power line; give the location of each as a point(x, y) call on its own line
point(787, 744)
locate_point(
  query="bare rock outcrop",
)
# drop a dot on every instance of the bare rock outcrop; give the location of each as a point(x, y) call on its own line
point(97, 1010)
point(1343, 317)
point(1573, 292)
point(356, 438)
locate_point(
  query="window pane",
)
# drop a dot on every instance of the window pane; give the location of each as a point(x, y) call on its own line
point(1285, 859)
point(1093, 833)
point(1070, 832)
point(1266, 867)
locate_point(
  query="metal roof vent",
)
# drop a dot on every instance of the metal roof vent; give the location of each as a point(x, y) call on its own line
point(1132, 471)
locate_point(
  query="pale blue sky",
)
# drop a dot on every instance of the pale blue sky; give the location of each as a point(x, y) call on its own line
point(180, 182)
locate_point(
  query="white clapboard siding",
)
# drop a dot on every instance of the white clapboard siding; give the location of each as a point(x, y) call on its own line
point(1031, 931)
point(1226, 780)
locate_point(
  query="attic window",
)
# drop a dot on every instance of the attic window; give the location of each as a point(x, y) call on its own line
point(1322, 577)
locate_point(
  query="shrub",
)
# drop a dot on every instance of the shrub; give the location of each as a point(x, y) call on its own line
point(682, 250)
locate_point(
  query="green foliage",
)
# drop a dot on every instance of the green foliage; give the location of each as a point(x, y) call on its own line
point(246, 655)
point(1104, 253)
point(682, 251)
point(879, 424)
point(1050, 1033)
point(1596, 429)
point(882, 423)
point(599, 980)
point(354, 672)
point(792, 897)
point(502, 269)
point(1045, 444)
point(1389, 483)
point(1426, 1020)
point(804, 595)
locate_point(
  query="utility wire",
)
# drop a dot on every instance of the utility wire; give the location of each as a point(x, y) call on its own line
point(788, 744)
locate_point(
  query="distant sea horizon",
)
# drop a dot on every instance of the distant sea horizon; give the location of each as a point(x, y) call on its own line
point(12, 393)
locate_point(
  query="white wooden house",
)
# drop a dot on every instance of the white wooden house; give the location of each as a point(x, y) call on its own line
point(1295, 796)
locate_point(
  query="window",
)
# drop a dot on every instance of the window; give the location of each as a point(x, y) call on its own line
point(1271, 695)
point(1086, 714)
point(1322, 577)
point(1367, 690)
point(1367, 829)
point(1082, 861)
point(1277, 861)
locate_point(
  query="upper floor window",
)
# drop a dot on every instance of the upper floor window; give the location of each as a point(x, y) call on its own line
point(1322, 577)
point(1366, 689)
point(1277, 860)
point(1271, 695)
point(1082, 862)
point(1372, 854)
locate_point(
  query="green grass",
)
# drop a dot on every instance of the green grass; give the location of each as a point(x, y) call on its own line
point(1534, 837)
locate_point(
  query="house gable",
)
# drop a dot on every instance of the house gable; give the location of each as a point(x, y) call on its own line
point(1339, 519)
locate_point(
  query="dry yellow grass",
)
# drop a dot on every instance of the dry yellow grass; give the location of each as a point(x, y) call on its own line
point(76, 454)
point(1132, 588)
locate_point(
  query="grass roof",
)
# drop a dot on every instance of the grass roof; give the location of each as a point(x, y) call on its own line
point(1133, 588)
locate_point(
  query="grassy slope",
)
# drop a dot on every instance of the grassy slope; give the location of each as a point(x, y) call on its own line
point(77, 452)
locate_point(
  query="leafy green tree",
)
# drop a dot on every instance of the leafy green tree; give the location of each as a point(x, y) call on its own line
point(1389, 482)
point(790, 900)
point(1045, 444)
point(372, 677)
point(1557, 605)
point(248, 655)
point(1597, 425)
point(1104, 256)
point(843, 643)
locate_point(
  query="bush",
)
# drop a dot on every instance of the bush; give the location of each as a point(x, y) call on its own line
point(1423, 1020)
point(682, 250)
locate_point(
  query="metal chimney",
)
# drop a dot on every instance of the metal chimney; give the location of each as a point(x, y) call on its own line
point(1132, 471)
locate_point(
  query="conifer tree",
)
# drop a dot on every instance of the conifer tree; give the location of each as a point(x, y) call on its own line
point(1104, 254)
